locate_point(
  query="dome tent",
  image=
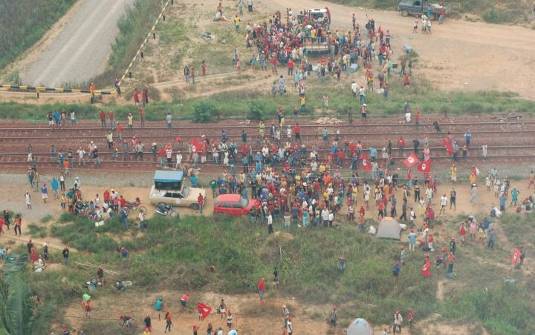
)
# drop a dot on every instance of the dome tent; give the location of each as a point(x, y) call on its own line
point(359, 327)
point(389, 228)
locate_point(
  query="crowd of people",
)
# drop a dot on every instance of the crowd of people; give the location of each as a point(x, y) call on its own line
point(299, 182)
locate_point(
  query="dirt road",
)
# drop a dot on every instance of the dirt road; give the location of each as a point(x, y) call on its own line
point(458, 54)
point(80, 48)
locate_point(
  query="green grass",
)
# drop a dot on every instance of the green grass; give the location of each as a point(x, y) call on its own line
point(503, 310)
point(519, 229)
point(237, 104)
point(37, 231)
point(24, 22)
point(177, 255)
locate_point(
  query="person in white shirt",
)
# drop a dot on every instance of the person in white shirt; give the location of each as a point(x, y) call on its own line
point(354, 88)
point(178, 160)
point(331, 218)
point(325, 216)
point(443, 203)
point(270, 223)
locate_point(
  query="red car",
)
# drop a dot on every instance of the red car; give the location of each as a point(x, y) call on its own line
point(234, 205)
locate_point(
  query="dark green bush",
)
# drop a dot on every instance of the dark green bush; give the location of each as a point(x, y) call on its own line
point(205, 111)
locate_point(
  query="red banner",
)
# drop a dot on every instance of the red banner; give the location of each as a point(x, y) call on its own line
point(366, 164)
point(204, 310)
point(411, 161)
point(425, 166)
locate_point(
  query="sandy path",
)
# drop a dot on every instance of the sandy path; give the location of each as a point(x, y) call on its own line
point(458, 55)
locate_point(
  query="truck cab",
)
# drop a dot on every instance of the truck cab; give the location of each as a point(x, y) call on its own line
point(168, 188)
point(419, 7)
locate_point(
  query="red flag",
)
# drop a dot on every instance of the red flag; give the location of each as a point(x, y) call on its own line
point(411, 161)
point(366, 164)
point(448, 145)
point(425, 166)
point(204, 310)
point(197, 143)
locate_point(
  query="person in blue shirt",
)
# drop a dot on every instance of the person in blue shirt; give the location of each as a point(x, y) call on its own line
point(54, 183)
point(467, 138)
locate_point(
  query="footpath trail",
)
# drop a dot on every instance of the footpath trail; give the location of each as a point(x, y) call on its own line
point(457, 55)
point(80, 50)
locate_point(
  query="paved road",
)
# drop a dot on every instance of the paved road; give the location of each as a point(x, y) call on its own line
point(80, 50)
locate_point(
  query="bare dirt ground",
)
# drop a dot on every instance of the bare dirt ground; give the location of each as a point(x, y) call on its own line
point(458, 54)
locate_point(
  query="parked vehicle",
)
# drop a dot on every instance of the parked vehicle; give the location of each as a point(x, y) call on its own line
point(165, 210)
point(169, 189)
point(420, 7)
point(235, 205)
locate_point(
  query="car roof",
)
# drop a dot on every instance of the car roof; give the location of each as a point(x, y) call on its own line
point(228, 198)
point(163, 176)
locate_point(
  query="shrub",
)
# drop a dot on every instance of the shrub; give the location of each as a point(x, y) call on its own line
point(205, 112)
point(258, 110)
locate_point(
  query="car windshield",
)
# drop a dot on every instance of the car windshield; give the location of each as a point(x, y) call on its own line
point(244, 202)
point(185, 192)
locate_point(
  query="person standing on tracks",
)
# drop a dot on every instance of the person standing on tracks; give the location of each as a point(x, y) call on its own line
point(102, 117)
point(142, 116)
point(169, 120)
point(468, 138)
point(109, 139)
point(73, 118)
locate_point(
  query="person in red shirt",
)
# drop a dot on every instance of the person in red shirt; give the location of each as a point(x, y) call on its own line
point(102, 117)
point(261, 289)
point(290, 67)
point(122, 201)
point(297, 131)
point(120, 130)
point(200, 202)
point(106, 196)
point(401, 145)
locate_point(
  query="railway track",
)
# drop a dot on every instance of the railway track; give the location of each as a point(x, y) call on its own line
point(511, 141)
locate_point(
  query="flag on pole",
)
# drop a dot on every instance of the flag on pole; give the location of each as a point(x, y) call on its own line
point(425, 166)
point(204, 310)
point(366, 164)
point(411, 161)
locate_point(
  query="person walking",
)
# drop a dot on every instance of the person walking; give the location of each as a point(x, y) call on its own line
point(65, 253)
point(168, 322)
point(261, 286)
point(18, 225)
